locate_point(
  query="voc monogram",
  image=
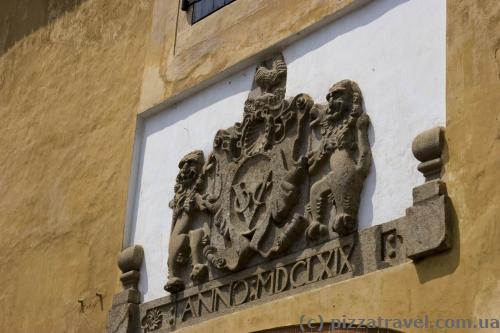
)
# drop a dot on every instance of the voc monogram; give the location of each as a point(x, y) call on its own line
point(248, 201)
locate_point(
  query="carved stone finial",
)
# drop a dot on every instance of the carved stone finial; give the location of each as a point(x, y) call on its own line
point(427, 148)
point(429, 230)
point(130, 261)
point(124, 314)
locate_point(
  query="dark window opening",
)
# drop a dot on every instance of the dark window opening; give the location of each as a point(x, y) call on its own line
point(203, 8)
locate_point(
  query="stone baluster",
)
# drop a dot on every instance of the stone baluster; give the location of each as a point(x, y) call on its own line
point(124, 314)
point(429, 228)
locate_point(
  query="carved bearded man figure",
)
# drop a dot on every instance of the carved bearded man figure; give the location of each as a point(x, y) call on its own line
point(344, 141)
point(185, 240)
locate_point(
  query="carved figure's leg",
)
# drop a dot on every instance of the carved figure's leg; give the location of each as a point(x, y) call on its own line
point(293, 231)
point(176, 249)
point(200, 270)
point(347, 196)
point(365, 154)
point(283, 205)
point(319, 190)
point(347, 204)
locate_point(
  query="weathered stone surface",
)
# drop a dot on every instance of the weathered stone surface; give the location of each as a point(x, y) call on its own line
point(429, 228)
point(330, 262)
point(124, 319)
point(131, 259)
point(428, 145)
point(127, 296)
point(427, 148)
point(428, 190)
point(425, 230)
point(273, 210)
point(124, 313)
point(289, 174)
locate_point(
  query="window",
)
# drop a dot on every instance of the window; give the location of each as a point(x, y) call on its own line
point(203, 8)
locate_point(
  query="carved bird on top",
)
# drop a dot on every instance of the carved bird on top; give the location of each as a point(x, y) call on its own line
point(268, 78)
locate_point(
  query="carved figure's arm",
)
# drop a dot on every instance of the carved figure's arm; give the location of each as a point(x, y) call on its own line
point(325, 148)
point(209, 164)
point(365, 154)
point(189, 204)
point(313, 160)
point(208, 202)
point(200, 203)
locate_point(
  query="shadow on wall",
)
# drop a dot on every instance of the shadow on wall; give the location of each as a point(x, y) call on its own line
point(359, 18)
point(205, 98)
point(19, 18)
point(365, 214)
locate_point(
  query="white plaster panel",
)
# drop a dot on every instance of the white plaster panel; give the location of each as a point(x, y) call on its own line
point(395, 50)
point(166, 138)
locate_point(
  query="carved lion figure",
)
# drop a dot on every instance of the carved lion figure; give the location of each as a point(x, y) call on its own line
point(185, 241)
point(344, 141)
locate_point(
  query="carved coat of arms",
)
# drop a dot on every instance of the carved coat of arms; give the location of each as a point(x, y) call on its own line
point(289, 175)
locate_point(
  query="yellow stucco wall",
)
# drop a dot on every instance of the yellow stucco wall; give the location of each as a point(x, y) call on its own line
point(69, 95)
point(68, 98)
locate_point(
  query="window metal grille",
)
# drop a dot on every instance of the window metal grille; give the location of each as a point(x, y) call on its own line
point(203, 8)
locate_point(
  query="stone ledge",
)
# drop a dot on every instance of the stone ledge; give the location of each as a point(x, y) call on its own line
point(424, 231)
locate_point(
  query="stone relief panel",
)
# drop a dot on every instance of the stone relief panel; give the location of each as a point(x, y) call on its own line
point(272, 210)
point(289, 175)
